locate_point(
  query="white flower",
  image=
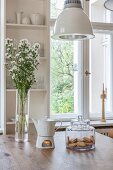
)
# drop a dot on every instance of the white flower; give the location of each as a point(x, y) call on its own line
point(21, 59)
point(8, 41)
point(8, 49)
point(26, 50)
point(13, 62)
point(14, 68)
point(17, 55)
point(13, 76)
point(36, 45)
point(15, 48)
point(7, 55)
point(24, 41)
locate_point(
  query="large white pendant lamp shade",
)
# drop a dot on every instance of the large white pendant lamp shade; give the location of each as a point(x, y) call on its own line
point(73, 23)
point(109, 5)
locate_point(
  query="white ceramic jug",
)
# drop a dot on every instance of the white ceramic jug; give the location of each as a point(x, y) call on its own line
point(45, 127)
point(45, 132)
point(36, 19)
point(26, 20)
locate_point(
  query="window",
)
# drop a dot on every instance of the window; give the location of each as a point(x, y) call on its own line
point(101, 72)
point(100, 58)
point(2, 85)
point(80, 93)
point(99, 13)
point(65, 73)
point(56, 8)
point(0, 69)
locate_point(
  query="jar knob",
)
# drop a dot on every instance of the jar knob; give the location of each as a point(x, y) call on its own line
point(80, 118)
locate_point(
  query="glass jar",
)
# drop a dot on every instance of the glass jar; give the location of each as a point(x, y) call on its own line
point(80, 135)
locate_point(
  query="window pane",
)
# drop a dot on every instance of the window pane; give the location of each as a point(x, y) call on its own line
point(99, 13)
point(0, 67)
point(56, 7)
point(101, 72)
point(65, 77)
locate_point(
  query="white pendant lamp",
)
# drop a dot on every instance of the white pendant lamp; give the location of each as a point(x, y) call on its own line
point(72, 23)
point(109, 5)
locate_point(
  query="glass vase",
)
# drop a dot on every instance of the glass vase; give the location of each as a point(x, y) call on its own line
point(22, 116)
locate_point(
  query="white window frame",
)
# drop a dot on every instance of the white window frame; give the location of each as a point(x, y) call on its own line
point(2, 68)
point(66, 116)
point(97, 27)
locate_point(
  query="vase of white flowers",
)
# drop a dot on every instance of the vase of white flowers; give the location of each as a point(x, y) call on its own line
point(23, 60)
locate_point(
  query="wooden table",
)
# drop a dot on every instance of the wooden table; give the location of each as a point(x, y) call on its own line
point(19, 156)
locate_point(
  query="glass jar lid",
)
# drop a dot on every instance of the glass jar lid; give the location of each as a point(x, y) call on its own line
point(80, 123)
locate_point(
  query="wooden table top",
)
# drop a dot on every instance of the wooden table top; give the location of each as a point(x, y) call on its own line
point(19, 156)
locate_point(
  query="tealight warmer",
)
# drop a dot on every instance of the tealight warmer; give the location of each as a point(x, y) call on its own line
point(45, 130)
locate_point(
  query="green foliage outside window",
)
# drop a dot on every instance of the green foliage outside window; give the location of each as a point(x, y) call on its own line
point(62, 77)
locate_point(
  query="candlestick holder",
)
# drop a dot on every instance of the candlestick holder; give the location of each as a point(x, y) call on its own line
point(103, 96)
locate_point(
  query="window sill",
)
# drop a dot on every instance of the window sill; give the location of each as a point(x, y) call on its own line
point(96, 124)
point(102, 124)
point(64, 117)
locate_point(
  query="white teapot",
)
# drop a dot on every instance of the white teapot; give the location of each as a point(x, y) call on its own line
point(45, 127)
point(45, 132)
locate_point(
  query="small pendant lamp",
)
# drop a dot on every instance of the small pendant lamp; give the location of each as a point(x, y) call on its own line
point(109, 5)
point(72, 23)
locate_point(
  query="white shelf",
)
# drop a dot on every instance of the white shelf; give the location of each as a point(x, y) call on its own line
point(23, 26)
point(10, 90)
point(66, 124)
point(31, 90)
point(10, 123)
point(13, 123)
